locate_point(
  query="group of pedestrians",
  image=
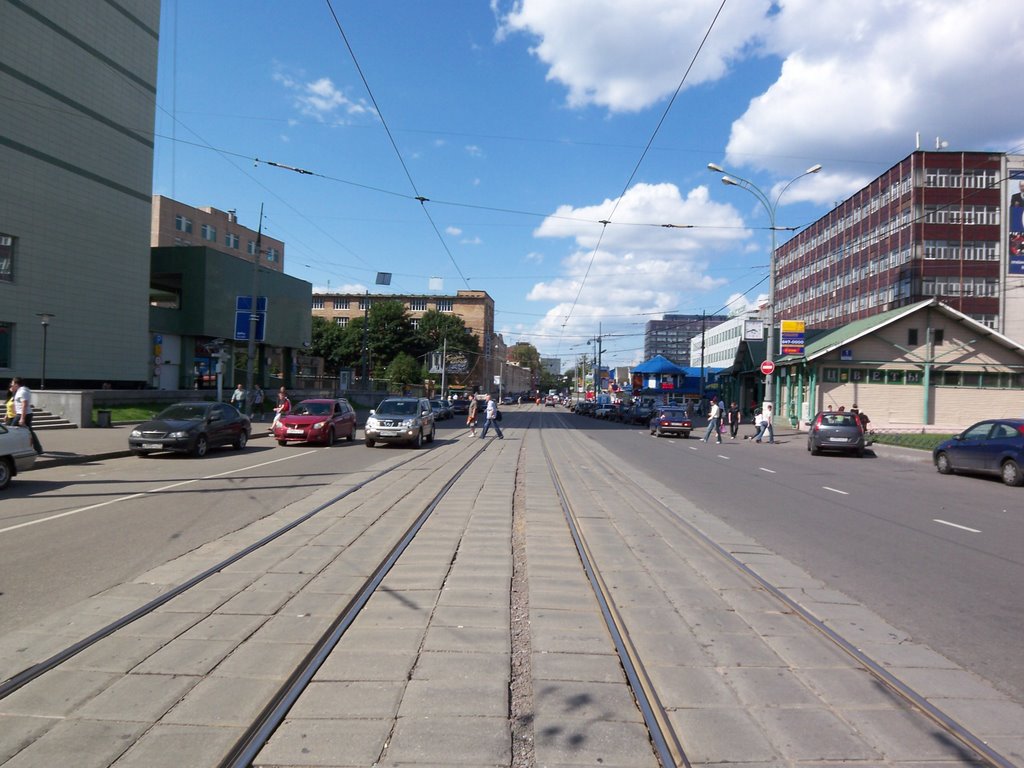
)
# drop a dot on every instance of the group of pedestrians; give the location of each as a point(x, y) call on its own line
point(491, 417)
point(18, 412)
point(721, 416)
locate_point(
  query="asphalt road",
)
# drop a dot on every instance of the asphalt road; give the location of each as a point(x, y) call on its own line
point(938, 556)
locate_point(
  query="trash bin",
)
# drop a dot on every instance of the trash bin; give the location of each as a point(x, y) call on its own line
point(102, 418)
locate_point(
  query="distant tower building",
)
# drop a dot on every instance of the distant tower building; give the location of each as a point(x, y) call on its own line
point(670, 336)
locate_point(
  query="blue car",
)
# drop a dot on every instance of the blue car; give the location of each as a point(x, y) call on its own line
point(992, 447)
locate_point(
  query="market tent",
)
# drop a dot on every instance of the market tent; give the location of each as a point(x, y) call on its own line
point(659, 364)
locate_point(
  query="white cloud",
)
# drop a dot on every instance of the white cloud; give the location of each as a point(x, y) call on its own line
point(641, 269)
point(627, 56)
point(321, 99)
point(453, 231)
point(474, 151)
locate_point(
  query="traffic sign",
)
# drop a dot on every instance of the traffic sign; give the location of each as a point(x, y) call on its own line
point(767, 367)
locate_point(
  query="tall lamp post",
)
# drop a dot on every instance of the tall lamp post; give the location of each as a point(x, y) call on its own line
point(731, 179)
point(44, 319)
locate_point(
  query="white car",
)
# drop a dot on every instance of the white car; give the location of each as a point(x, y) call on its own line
point(16, 453)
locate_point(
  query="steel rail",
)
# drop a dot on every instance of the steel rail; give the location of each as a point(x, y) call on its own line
point(946, 722)
point(29, 674)
point(255, 737)
point(663, 736)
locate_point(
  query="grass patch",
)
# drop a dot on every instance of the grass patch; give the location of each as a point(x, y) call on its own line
point(910, 440)
point(130, 412)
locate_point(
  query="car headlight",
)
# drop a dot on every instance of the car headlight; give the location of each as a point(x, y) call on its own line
point(319, 425)
point(372, 423)
point(409, 423)
point(136, 433)
point(179, 434)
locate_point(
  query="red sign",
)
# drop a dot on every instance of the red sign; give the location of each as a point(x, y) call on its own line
point(767, 367)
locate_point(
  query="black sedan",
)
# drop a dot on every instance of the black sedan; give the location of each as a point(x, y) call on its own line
point(191, 428)
point(991, 447)
point(836, 431)
point(670, 421)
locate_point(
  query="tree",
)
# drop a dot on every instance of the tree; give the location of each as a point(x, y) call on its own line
point(328, 343)
point(390, 330)
point(404, 370)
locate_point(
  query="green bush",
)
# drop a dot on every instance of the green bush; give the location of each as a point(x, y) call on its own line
point(909, 440)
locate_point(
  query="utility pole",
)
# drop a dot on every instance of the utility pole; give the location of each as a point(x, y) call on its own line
point(366, 348)
point(250, 370)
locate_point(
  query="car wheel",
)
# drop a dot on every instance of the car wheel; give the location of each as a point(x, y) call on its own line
point(418, 440)
point(369, 443)
point(6, 472)
point(943, 464)
point(1011, 473)
point(282, 442)
point(433, 431)
point(330, 436)
point(243, 438)
point(815, 450)
point(201, 447)
point(860, 453)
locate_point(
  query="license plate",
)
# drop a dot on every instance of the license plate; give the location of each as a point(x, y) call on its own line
point(837, 440)
point(152, 446)
point(295, 432)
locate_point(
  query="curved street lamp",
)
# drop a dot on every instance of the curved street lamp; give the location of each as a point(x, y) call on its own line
point(731, 179)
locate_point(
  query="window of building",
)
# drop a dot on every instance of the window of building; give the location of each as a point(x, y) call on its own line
point(894, 377)
point(209, 233)
point(250, 248)
point(231, 240)
point(6, 339)
point(445, 305)
point(183, 224)
point(6, 258)
point(938, 336)
point(364, 304)
point(342, 321)
point(273, 255)
point(911, 337)
point(341, 303)
point(165, 290)
point(318, 302)
point(415, 323)
point(417, 305)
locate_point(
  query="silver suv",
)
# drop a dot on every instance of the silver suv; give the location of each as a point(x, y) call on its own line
point(400, 420)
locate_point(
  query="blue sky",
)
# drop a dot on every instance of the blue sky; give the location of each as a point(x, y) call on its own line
point(526, 124)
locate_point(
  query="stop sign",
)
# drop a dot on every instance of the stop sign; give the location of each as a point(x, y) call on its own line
point(767, 367)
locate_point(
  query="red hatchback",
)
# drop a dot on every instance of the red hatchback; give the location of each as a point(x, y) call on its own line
point(317, 421)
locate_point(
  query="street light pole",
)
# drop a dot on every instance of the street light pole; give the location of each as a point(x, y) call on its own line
point(732, 179)
point(44, 319)
point(250, 363)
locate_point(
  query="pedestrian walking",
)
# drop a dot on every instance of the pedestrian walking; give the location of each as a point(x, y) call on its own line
point(22, 397)
point(491, 417)
point(733, 417)
point(714, 422)
point(284, 405)
point(238, 398)
point(767, 427)
point(257, 402)
point(471, 416)
point(9, 413)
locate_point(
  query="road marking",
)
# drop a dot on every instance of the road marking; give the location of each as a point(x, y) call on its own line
point(954, 525)
point(723, 456)
point(770, 471)
point(835, 490)
point(140, 494)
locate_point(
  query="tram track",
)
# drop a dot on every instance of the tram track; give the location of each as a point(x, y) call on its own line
point(975, 745)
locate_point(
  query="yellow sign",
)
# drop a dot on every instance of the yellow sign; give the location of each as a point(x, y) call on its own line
point(792, 326)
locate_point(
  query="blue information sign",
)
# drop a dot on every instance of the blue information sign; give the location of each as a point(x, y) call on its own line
point(243, 317)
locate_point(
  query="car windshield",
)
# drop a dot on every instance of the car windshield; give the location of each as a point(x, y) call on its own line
point(312, 409)
point(399, 407)
point(185, 412)
point(838, 420)
point(673, 413)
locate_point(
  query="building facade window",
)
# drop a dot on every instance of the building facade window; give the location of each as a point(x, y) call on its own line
point(364, 304)
point(341, 303)
point(209, 233)
point(250, 248)
point(318, 302)
point(273, 255)
point(231, 240)
point(417, 305)
point(342, 321)
point(6, 343)
point(445, 305)
point(183, 224)
point(6, 258)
